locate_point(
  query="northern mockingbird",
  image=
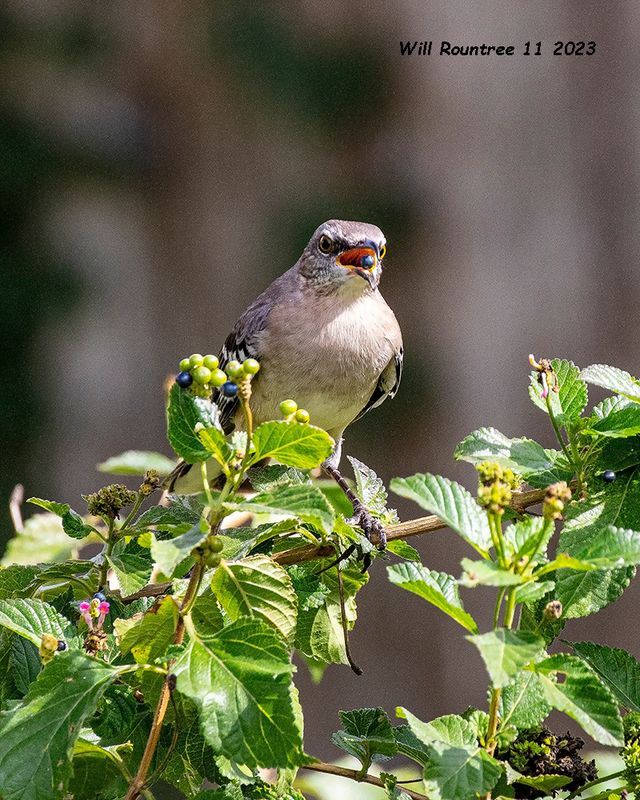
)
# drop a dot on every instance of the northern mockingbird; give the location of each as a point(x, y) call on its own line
point(323, 335)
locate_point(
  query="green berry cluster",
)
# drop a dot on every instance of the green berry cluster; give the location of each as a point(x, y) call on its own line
point(202, 373)
point(290, 411)
point(211, 550)
point(537, 751)
point(108, 501)
point(556, 498)
point(631, 751)
point(495, 486)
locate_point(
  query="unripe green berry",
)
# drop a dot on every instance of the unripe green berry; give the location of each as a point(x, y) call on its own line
point(234, 369)
point(185, 365)
point(218, 377)
point(288, 407)
point(213, 559)
point(196, 360)
point(202, 375)
point(250, 366)
point(211, 362)
point(216, 545)
point(302, 415)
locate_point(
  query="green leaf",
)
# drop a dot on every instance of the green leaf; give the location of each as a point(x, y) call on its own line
point(526, 536)
point(369, 488)
point(168, 553)
point(185, 413)
point(582, 697)
point(568, 403)
point(402, 549)
point(582, 593)
point(302, 446)
point(240, 680)
point(547, 784)
point(319, 634)
point(608, 548)
point(72, 523)
point(452, 729)
point(367, 733)
point(37, 736)
point(137, 462)
point(24, 663)
point(618, 424)
point(96, 772)
point(458, 773)
point(304, 501)
point(15, 580)
point(267, 477)
point(614, 379)
point(616, 668)
point(487, 573)
point(258, 587)
point(522, 703)
point(437, 588)
point(183, 509)
point(538, 466)
point(451, 502)
point(41, 539)
point(506, 652)
point(31, 618)
point(215, 442)
point(149, 638)
point(132, 565)
point(529, 592)
point(409, 745)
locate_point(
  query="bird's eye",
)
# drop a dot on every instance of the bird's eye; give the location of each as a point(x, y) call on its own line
point(325, 244)
point(383, 251)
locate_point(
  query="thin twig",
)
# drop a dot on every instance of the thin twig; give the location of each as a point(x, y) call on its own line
point(345, 628)
point(15, 501)
point(343, 772)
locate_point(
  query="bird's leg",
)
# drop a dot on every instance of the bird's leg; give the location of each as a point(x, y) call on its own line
point(372, 527)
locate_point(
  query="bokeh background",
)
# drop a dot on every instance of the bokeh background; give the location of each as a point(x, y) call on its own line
point(162, 162)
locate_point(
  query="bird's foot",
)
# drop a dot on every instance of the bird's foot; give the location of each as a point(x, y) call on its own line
point(371, 526)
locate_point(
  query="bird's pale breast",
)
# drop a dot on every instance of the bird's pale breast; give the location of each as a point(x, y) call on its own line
point(332, 357)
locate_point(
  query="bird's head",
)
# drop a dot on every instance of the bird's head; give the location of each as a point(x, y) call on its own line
point(344, 254)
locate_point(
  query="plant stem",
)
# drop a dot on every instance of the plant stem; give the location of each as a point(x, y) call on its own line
point(104, 567)
point(134, 509)
point(138, 783)
point(496, 692)
point(343, 772)
point(495, 526)
point(557, 430)
point(595, 782)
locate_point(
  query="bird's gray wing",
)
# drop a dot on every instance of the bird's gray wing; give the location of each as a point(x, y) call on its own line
point(388, 383)
point(243, 342)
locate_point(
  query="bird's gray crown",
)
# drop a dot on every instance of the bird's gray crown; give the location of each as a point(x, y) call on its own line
point(346, 254)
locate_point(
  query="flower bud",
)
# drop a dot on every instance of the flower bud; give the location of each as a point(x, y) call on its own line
point(553, 609)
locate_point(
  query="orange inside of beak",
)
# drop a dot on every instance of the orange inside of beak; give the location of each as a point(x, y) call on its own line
point(355, 258)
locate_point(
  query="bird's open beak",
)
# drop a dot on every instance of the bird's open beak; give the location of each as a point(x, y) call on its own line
point(363, 261)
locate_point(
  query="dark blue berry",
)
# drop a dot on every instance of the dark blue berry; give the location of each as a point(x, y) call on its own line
point(367, 261)
point(61, 645)
point(184, 379)
point(608, 476)
point(100, 596)
point(229, 389)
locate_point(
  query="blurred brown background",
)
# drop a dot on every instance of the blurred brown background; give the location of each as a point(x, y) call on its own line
point(162, 162)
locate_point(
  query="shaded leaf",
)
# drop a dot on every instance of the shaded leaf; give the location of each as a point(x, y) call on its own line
point(488, 573)
point(616, 668)
point(72, 523)
point(620, 424)
point(367, 733)
point(184, 414)
point(450, 729)
point(523, 703)
point(457, 773)
point(38, 735)
point(215, 442)
point(132, 565)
